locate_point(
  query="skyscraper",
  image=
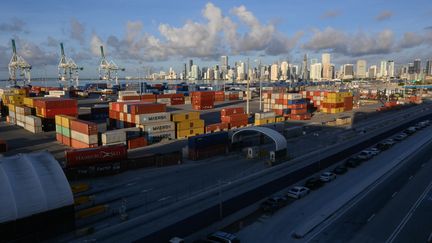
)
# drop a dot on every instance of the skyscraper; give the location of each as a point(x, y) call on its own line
point(373, 71)
point(348, 71)
point(305, 68)
point(190, 65)
point(326, 66)
point(224, 64)
point(284, 70)
point(274, 72)
point(361, 69)
point(316, 72)
point(429, 67)
point(195, 72)
point(383, 69)
point(390, 69)
point(185, 71)
point(417, 66)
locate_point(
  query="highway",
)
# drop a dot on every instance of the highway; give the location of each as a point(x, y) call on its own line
point(398, 210)
point(365, 221)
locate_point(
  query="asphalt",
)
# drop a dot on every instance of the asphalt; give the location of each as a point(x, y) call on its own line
point(382, 210)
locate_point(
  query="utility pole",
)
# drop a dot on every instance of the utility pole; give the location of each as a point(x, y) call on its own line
point(247, 88)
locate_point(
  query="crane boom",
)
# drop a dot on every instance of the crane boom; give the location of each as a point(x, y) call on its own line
point(106, 68)
point(17, 64)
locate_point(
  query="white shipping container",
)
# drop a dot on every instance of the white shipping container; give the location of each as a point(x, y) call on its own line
point(264, 115)
point(143, 119)
point(33, 129)
point(161, 135)
point(33, 121)
point(170, 91)
point(115, 136)
point(20, 117)
point(20, 123)
point(102, 127)
point(56, 92)
point(88, 139)
point(164, 101)
point(158, 127)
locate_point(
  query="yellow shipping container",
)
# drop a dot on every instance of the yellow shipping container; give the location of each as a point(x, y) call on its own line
point(88, 212)
point(334, 100)
point(20, 91)
point(82, 200)
point(264, 121)
point(80, 187)
point(279, 119)
point(65, 120)
point(58, 120)
point(192, 115)
point(28, 102)
point(189, 124)
point(11, 107)
point(189, 132)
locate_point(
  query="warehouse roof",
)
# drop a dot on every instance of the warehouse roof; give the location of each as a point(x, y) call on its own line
point(279, 140)
point(30, 184)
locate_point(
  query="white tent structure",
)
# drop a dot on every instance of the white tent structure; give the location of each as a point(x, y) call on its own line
point(34, 190)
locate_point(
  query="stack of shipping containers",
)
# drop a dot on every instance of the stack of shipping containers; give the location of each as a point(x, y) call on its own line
point(208, 145)
point(337, 102)
point(188, 124)
point(289, 105)
point(234, 117)
point(203, 100)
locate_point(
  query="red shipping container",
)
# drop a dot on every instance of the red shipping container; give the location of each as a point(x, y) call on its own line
point(55, 103)
point(67, 141)
point(234, 117)
point(131, 97)
point(59, 137)
point(203, 93)
point(79, 144)
point(216, 127)
point(231, 111)
point(52, 112)
point(233, 97)
point(240, 123)
point(85, 127)
point(148, 97)
point(137, 142)
point(298, 111)
point(99, 155)
point(145, 108)
point(202, 102)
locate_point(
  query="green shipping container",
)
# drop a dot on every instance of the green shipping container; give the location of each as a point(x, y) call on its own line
point(66, 132)
point(58, 129)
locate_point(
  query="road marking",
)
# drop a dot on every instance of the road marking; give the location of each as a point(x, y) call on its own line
point(409, 214)
point(394, 194)
point(131, 184)
point(430, 238)
point(164, 198)
point(371, 217)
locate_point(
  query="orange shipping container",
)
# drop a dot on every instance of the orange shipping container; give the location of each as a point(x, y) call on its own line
point(234, 117)
point(78, 144)
point(85, 127)
point(231, 111)
point(137, 142)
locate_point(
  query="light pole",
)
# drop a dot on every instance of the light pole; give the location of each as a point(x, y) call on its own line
point(45, 78)
point(220, 199)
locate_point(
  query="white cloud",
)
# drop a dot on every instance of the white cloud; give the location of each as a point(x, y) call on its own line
point(95, 43)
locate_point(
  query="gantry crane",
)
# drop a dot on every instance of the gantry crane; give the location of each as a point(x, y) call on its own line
point(106, 68)
point(68, 70)
point(18, 64)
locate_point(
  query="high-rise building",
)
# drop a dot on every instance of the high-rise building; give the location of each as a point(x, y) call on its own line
point(241, 71)
point(316, 72)
point(348, 71)
point(305, 70)
point(383, 70)
point(195, 72)
point(417, 66)
point(372, 71)
point(284, 70)
point(274, 72)
point(361, 69)
point(326, 66)
point(224, 64)
point(411, 69)
point(190, 65)
point(390, 69)
point(185, 71)
point(313, 61)
point(429, 67)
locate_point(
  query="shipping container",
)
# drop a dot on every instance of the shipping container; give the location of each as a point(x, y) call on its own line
point(158, 127)
point(189, 124)
point(152, 117)
point(232, 111)
point(180, 134)
point(99, 155)
point(85, 127)
point(207, 140)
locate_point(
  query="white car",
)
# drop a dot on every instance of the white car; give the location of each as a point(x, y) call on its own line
point(327, 176)
point(374, 151)
point(365, 154)
point(298, 192)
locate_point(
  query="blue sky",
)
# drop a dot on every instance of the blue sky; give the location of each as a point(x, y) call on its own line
point(161, 34)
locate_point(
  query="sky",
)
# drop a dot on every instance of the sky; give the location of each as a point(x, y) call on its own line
point(167, 33)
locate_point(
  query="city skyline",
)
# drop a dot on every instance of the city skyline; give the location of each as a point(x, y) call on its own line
point(205, 31)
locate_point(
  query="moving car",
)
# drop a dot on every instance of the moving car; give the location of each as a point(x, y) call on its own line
point(339, 170)
point(224, 237)
point(373, 150)
point(298, 192)
point(327, 176)
point(274, 203)
point(365, 155)
point(314, 183)
point(400, 136)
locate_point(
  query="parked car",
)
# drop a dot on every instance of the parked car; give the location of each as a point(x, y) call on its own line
point(373, 150)
point(410, 130)
point(224, 237)
point(365, 155)
point(400, 136)
point(327, 176)
point(298, 192)
point(383, 146)
point(339, 170)
point(314, 183)
point(274, 203)
point(353, 162)
point(390, 142)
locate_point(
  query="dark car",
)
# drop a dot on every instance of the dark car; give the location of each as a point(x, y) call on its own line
point(341, 169)
point(274, 203)
point(410, 130)
point(225, 237)
point(314, 183)
point(353, 162)
point(383, 145)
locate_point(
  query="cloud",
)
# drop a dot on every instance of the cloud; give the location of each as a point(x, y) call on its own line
point(77, 31)
point(14, 25)
point(428, 28)
point(52, 42)
point(34, 55)
point(330, 14)
point(218, 34)
point(411, 39)
point(95, 43)
point(384, 15)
